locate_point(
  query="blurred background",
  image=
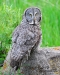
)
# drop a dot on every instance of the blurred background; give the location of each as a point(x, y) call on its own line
point(11, 12)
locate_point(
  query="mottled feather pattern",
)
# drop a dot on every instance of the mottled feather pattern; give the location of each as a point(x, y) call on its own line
point(25, 38)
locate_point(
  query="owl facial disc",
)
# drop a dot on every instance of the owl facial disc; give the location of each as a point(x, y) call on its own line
point(33, 16)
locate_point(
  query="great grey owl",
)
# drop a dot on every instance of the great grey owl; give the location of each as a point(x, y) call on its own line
point(26, 36)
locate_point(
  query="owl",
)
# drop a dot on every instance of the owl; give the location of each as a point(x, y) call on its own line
point(26, 37)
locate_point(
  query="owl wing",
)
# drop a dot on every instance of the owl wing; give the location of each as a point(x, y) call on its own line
point(23, 41)
point(15, 34)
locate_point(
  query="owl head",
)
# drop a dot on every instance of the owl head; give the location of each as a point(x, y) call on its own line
point(33, 16)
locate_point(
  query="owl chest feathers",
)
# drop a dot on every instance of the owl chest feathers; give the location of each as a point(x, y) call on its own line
point(33, 32)
point(26, 33)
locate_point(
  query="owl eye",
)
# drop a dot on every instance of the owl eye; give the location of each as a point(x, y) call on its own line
point(36, 14)
point(30, 15)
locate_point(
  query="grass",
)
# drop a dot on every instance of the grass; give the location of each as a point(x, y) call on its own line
point(11, 12)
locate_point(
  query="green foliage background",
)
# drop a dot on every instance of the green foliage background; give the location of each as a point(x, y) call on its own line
point(11, 12)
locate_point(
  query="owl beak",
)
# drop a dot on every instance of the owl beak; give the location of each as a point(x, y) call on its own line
point(32, 22)
point(34, 18)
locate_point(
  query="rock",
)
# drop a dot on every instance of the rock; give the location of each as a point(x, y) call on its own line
point(45, 61)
